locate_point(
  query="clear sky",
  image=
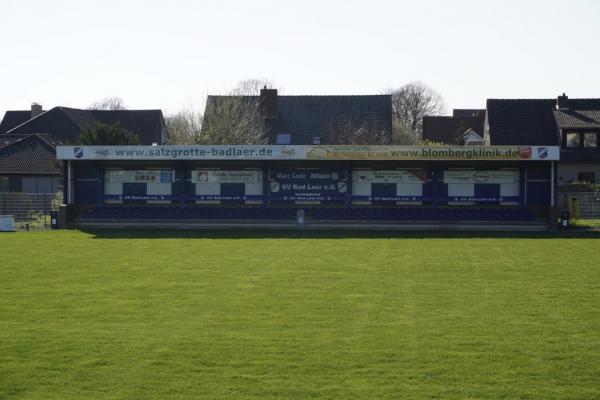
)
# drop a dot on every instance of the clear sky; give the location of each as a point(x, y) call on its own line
point(170, 54)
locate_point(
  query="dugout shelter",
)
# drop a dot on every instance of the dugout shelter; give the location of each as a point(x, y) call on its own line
point(390, 184)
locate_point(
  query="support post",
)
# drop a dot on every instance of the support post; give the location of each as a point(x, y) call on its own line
point(66, 182)
point(552, 184)
point(435, 188)
point(348, 188)
point(100, 186)
point(265, 185)
point(522, 172)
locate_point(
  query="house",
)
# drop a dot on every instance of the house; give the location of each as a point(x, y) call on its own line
point(572, 124)
point(66, 123)
point(471, 138)
point(28, 141)
point(28, 163)
point(465, 126)
point(316, 119)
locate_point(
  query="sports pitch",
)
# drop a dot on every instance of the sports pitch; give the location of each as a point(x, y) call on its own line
point(183, 315)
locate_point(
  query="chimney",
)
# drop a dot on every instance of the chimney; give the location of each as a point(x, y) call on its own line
point(36, 109)
point(268, 103)
point(562, 103)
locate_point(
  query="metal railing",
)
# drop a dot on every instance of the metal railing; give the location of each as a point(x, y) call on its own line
point(581, 204)
point(30, 210)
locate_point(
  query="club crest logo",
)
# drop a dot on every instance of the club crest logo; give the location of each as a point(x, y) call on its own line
point(542, 153)
point(78, 152)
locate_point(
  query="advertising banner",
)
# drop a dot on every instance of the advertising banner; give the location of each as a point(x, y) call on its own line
point(482, 199)
point(432, 153)
point(138, 176)
point(315, 184)
point(392, 176)
point(217, 176)
point(135, 197)
point(312, 152)
point(219, 197)
point(481, 176)
point(391, 198)
point(191, 152)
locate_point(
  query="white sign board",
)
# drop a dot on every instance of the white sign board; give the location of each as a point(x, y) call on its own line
point(138, 176)
point(302, 152)
point(481, 176)
point(391, 176)
point(217, 176)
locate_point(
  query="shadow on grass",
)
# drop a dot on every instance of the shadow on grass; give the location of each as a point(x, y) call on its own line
point(262, 233)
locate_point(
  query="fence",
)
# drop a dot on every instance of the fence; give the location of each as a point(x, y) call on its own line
point(581, 204)
point(30, 210)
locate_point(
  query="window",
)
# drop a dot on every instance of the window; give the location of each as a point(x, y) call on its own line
point(590, 140)
point(580, 140)
point(316, 140)
point(586, 177)
point(283, 138)
point(4, 184)
point(573, 140)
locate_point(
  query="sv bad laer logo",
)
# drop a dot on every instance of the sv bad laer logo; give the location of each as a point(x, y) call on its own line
point(77, 152)
point(542, 153)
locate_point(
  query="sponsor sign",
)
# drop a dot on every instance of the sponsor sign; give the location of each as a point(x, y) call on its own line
point(390, 198)
point(392, 176)
point(314, 184)
point(475, 199)
point(432, 153)
point(217, 176)
point(308, 175)
point(302, 152)
point(481, 176)
point(138, 176)
point(141, 197)
point(214, 197)
point(191, 152)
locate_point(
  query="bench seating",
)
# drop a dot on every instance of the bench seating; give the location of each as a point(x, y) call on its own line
point(324, 214)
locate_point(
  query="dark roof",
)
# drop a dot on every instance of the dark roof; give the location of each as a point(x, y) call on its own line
point(468, 112)
point(304, 117)
point(577, 119)
point(529, 121)
point(33, 154)
point(12, 119)
point(307, 116)
point(66, 123)
point(448, 130)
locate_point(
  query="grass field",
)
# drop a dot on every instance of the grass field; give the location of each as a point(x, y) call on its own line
point(186, 316)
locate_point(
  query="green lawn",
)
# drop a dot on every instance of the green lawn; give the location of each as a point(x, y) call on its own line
point(186, 316)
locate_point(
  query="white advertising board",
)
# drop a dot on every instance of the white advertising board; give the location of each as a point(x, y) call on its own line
point(218, 176)
point(481, 176)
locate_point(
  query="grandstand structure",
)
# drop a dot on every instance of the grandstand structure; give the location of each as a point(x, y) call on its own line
point(325, 183)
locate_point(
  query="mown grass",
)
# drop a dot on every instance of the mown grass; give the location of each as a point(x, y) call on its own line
point(213, 315)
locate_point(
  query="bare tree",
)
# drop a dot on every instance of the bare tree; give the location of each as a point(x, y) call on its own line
point(411, 102)
point(403, 135)
point(233, 120)
point(236, 118)
point(184, 127)
point(251, 87)
point(109, 103)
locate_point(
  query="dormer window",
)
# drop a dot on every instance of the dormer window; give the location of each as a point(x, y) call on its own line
point(580, 140)
point(590, 140)
point(573, 140)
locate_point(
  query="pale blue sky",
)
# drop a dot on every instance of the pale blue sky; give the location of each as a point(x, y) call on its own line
point(169, 54)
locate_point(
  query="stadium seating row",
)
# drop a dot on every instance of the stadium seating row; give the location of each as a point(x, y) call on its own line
point(289, 213)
